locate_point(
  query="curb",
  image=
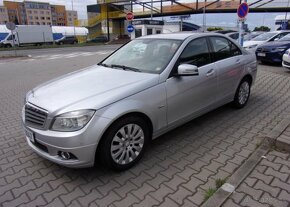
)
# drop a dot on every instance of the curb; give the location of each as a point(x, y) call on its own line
point(272, 139)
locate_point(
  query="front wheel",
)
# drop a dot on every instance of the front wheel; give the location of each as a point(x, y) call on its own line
point(124, 143)
point(242, 94)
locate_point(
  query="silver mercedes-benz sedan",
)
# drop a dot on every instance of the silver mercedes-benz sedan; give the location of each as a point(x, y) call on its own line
point(110, 111)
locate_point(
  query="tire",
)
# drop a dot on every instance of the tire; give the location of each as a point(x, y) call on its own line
point(242, 93)
point(116, 150)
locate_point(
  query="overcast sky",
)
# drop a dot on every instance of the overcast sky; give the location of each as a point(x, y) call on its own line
point(79, 5)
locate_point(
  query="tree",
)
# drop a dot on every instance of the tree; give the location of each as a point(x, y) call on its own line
point(262, 29)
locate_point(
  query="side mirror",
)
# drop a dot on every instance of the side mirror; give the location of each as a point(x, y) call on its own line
point(187, 70)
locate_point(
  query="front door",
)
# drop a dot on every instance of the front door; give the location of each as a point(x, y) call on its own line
point(188, 95)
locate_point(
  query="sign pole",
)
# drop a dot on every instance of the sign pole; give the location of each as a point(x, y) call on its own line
point(242, 13)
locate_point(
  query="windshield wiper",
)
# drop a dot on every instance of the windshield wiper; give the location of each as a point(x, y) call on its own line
point(103, 64)
point(124, 67)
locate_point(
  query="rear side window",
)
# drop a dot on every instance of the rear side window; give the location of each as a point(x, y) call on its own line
point(196, 53)
point(223, 48)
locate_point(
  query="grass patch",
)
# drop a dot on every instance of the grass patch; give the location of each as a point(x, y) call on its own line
point(219, 182)
point(209, 193)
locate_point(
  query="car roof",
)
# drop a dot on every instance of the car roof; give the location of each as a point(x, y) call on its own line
point(180, 35)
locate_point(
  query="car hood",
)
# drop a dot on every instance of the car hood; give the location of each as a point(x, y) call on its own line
point(276, 44)
point(92, 88)
point(250, 43)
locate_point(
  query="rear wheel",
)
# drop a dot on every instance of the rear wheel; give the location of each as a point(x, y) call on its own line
point(124, 143)
point(243, 93)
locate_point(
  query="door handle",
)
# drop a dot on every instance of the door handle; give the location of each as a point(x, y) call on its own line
point(238, 61)
point(210, 72)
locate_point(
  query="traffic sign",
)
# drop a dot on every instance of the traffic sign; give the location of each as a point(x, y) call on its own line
point(10, 26)
point(130, 28)
point(243, 10)
point(129, 16)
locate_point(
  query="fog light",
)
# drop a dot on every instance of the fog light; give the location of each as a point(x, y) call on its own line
point(65, 155)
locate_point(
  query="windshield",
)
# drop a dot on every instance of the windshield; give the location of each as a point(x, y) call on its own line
point(265, 36)
point(144, 55)
point(286, 38)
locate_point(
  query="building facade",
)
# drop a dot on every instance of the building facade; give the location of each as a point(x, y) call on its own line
point(58, 14)
point(3, 15)
point(71, 16)
point(38, 13)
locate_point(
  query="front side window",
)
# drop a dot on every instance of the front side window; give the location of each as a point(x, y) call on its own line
point(196, 53)
point(144, 55)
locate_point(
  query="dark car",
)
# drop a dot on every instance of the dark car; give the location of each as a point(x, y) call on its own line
point(99, 39)
point(273, 51)
point(67, 40)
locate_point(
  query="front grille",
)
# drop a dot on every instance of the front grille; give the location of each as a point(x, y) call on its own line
point(35, 116)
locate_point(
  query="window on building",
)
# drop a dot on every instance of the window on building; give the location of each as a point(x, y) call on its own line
point(35, 12)
point(43, 18)
point(36, 18)
point(31, 17)
point(41, 12)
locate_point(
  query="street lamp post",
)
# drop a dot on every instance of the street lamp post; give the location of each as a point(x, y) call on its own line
point(204, 17)
point(72, 6)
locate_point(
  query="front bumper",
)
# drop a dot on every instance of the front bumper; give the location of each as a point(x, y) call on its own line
point(81, 144)
point(274, 57)
point(286, 61)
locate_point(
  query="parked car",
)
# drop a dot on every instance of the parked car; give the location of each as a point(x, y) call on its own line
point(233, 35)
point(286, 59)
point(224, 31)
point(252, 35)
point(273, 51)
point(67, 40)
point(112, 110)
point(263, 38)
point(99, 39)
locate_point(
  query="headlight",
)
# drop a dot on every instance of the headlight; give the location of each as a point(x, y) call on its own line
point(72, 121)
point(287, 52)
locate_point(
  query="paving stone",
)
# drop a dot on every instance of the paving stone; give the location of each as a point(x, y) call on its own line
point(89, 197)
point(268, 199)
point(248, 201)
point(128, 201)
point(284, 196)
point(281, 176)
point(180, 195)
point(161, 193)
point(230, 203)
point(15, 202)
point(143, 191)
point(263, 187)
point(148, 201)
point(279, 184)
point(197, 198)
point(275, 166)
point(237, 196)
point(168, 203)
point(108, 199)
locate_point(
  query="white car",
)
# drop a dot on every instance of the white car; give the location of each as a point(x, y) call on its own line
point(252, 45)
point(286, 59)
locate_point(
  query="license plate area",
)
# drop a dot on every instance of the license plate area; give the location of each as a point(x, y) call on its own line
point(30, 135)
point(260, 54)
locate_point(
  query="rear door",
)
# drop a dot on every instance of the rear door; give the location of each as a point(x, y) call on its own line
point(229, 62)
